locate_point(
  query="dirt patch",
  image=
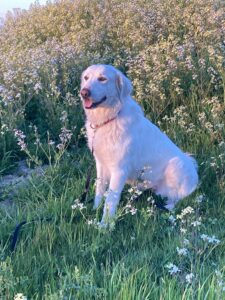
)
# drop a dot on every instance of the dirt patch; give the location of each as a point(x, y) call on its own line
point(9, 184)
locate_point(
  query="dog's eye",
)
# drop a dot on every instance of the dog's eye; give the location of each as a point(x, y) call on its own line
point(86, 77)
point(102, 78)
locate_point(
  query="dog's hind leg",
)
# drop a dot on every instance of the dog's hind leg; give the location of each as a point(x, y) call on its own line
point(180, 180)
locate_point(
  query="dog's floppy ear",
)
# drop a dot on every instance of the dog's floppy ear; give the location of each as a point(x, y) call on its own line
point(123, 84)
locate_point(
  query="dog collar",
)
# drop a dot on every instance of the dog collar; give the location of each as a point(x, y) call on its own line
point(102, 124)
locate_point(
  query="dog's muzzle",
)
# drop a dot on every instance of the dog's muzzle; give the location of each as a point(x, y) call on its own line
point(89, 104)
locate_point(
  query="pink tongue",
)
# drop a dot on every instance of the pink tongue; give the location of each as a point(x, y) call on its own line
point(88, 103)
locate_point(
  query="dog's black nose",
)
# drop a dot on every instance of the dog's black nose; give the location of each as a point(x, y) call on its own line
point(85, 93)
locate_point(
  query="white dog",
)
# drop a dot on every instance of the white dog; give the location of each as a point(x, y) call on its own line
point(127, 147)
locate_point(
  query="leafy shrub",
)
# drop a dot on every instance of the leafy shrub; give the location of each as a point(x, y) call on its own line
point(173, 51)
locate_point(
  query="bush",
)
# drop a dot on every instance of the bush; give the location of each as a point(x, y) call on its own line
point(173, 51)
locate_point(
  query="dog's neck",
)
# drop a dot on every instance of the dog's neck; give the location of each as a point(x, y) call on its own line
point(101, 115)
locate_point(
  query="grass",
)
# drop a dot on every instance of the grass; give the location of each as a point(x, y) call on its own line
point(60, 256)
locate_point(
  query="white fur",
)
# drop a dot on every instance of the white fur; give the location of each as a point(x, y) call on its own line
point(130, 148)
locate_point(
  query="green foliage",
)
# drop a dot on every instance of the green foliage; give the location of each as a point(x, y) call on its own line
point(62, 253)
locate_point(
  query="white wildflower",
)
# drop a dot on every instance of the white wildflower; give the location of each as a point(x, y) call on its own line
point(183, 230)
point(200, 198)
point(186, 242)
point(172, 269)
point(185, 211)
point(196, 223)
point(133, 211)
point(210, 239)
point(182, 251)
point(189, 277)
point(78, 204)
point(37, 87)
point(20, 139)
point(172, 219)
point(64, 116)
point(213, 240)
point(50, 142)
point(20, 296)
point(130, 209)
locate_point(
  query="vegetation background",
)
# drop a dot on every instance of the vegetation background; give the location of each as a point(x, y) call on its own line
point(174, 53)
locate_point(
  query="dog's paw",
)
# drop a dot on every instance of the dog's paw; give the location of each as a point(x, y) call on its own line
point(109, 224)
point(103, 225)
point(170, 206)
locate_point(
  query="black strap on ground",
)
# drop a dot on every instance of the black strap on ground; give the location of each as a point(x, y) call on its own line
point(87, 185)
point(15, 235)
point(16, 232)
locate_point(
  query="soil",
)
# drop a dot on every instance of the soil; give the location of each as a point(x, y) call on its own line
point(9, 184)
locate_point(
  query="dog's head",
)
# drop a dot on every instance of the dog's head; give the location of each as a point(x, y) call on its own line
point(102, 85)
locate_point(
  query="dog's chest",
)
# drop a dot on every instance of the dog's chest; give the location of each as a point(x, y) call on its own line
point(104, 143)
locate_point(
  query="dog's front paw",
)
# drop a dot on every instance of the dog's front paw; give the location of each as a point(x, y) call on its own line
point(103, 224)
point(109, 224)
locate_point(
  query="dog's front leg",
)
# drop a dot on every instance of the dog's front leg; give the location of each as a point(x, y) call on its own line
point(101, 184)
point(117, 182)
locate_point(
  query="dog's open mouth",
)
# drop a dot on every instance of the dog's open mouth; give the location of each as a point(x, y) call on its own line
point(88, 102)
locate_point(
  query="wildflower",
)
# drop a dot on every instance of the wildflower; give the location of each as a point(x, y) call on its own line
point(150, 210)
point(186, 242)
point(180, 52)
point(196, 223)
point(64, 116)
point(182, 251)
point(65, 135)
point(200, 198)
point(172, 269)
point(183, 230)
point(1, 88)
point(151, 199)
point(83, 132)
point(189, 277)
point(185, 211)
point(133, 211)
point(220, 281)
point(172, 219)
point(188, 63)
point(20, 139)
point(213, 240)
point(50, 142)
point(131, 190)
point(20, 296)
point(210, 239)
point(60, 147)
point(90, 222)
point(201, 62)
point(78, 204)
point(130, 209)
point(37, 87)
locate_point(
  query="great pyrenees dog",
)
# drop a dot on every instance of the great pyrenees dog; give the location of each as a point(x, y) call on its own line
point(127, 147)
